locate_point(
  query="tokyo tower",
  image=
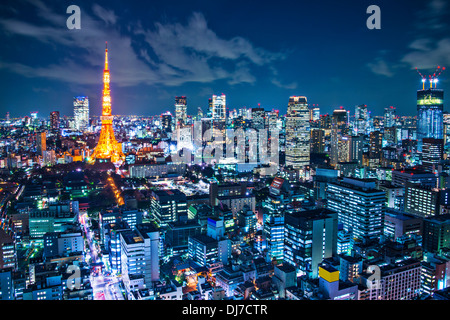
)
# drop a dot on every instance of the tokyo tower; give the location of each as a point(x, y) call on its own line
point(107, 148)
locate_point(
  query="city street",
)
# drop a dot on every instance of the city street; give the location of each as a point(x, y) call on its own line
point(104, 287)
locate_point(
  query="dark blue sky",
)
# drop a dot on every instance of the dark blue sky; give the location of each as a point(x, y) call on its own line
point(253, 51)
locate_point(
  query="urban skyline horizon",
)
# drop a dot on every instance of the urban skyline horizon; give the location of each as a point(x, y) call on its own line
point(330, 109)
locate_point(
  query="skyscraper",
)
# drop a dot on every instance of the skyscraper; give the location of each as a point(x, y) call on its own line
point(81, 112)
point(339, 125)
point(41, 143)
point(432, 152)
point(218, 107)
point(356, 148)
point(430, 122)
point(317, 141)
point(107, 148)
point(389, 117)
point(298, 134)
point(54, 121)
point(180, 110)
point(258, 118)
point(361, 119)
point(376, 143)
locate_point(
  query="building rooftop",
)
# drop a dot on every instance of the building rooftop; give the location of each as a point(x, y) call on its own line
point(204, 239)
point(364, 185)
point(286, 268)
point(400, 215)
point(131, 237)
point(439, 218)
point(169, 194)
point(413, 171)
point(350, 259)
point(315, 214)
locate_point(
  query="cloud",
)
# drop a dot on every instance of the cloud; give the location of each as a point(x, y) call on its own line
point(169, 54)
point(432, 45)
point(380, 67)
point(289, 86)
point(107, 16)
point(432, 18)
point(425, 55)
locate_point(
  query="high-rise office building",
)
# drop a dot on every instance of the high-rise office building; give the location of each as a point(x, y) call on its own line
point(6, 284)
point(430, 122)
point(203, 249)
point(54, 121)
point(360, 207)
point(258, 118)
point(180, 110)
point(325, 121)
point(8, 257)
point(310, 237)
point(218, 107)
point(361, 124)
point(168, 206)
point(399, 224)
point(421, 200)
point(41, 142)
point(389, 117)
point(376, 145)
point(297, 133)
point(317, 141)
point(140, 252)
point(356, 148)
point(339, 125)
point(400, 177)
point(344, 148)
point(446, 120)
point(273, 231)
point(314, 113)
point(81, 113)
point(432, 152)
point(436, 233)
point(113, 244)
point(166, 121)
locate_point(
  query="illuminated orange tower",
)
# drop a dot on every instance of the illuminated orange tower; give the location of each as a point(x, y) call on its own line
point(107, 148)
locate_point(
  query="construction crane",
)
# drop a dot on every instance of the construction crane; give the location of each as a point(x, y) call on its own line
point(432, 78)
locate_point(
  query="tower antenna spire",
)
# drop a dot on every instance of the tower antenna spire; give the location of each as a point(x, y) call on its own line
point(433, 78)
point(106, 55)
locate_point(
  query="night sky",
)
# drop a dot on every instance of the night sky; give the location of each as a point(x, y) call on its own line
point(255, 52)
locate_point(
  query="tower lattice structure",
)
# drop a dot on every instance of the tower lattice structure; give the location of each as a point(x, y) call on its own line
point(107, 146)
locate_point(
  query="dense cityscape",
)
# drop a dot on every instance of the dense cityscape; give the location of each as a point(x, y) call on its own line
point(227, 204)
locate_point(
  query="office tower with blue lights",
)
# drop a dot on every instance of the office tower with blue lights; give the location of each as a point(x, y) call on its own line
point(310, 237)
point(218, 107)
point(298, 134)
point(361, 119)
point(81, 113)
point(360, 207)
point(389, 117)
point(430, 119)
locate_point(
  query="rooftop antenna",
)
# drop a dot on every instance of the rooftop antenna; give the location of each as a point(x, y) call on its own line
point(432, 78)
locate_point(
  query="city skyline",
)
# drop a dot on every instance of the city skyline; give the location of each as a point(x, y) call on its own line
point(198, 50)
point(223, 202)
